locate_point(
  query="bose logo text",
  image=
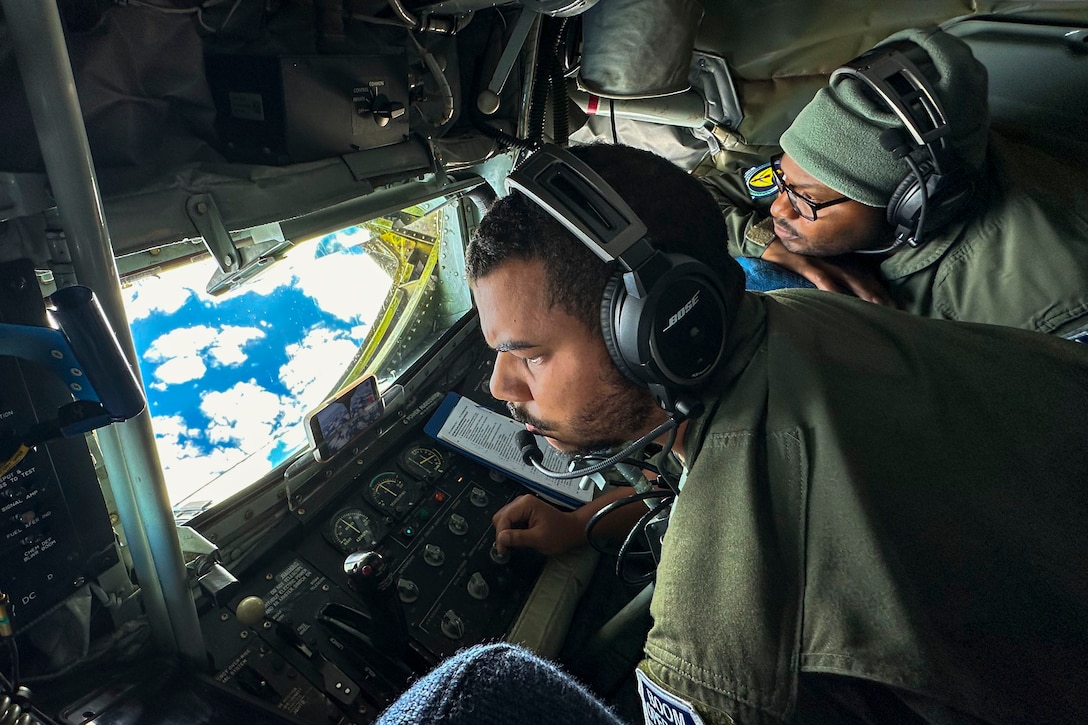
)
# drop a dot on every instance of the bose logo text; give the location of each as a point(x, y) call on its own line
point(682, 311)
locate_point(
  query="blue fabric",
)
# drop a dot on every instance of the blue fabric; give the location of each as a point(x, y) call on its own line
point(497, 684)
point(763, 276)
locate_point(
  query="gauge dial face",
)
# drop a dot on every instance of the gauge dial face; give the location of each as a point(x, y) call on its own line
point(391, 493)
point(424, 461)
point(353, 530)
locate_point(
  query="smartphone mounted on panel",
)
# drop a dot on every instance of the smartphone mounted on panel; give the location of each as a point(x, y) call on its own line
point(339, 421)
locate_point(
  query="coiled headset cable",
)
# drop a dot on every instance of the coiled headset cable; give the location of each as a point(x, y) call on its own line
point(15, 705)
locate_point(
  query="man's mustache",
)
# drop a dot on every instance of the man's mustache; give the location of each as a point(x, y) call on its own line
point(524, 418)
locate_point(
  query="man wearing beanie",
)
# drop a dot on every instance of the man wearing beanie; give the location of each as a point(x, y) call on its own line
point(1011, 250)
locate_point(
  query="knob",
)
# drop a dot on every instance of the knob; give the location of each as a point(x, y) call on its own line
point(479, 497)
point(369, 575)
point(498, 558)
point(407, 590)
point(477, 586)
point(452, 625)
point(250, 610)
point(433, 555)
point(488, 102)
point(385, 110)
point(458, 524)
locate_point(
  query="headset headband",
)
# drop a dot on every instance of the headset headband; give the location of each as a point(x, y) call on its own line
point(905, 90)
point(579, 199)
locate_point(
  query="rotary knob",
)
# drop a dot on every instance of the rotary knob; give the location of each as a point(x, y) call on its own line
point(458, 524)
point(378, 106)
point(498, 558)
point(477, 586)
point(385, 110)
point(479, 497)
point(433, 555)
point(407, 590)
point(452, 625)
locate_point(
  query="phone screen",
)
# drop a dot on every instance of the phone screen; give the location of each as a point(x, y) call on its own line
point(341, 420)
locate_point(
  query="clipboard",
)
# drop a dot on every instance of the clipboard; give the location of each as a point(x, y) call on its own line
point(488, 437)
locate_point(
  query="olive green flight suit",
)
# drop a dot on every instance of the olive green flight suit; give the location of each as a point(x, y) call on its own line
point(879, 496)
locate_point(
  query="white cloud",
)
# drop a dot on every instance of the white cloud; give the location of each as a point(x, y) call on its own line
point(183, 354)
point(245, 419)
point(166, 294)
point(315, 364)
point(179, 370)
point(245, 414)
point(352, 287)
point(180, 342)
point(228, 344)
point(186, 465)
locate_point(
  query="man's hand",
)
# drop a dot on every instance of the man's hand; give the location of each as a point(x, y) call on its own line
point(839, 275)
point(532, 522)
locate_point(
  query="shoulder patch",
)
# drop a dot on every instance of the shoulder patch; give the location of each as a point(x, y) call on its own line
point(759, 180)
point(660, 707)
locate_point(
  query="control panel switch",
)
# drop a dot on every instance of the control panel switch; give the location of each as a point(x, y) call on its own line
point(477, 586)
point(458, 524)
point(433, 555)
point(452, 625)
point(407, 590)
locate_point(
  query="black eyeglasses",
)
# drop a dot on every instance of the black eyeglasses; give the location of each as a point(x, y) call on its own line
point(804, 206)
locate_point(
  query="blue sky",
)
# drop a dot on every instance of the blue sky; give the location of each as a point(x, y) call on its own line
point(226, 376)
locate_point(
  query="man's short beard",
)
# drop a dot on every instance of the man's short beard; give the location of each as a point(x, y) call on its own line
point(624, 411)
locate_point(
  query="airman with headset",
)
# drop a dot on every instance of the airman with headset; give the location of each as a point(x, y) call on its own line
point(895, 159)
point(864, 531)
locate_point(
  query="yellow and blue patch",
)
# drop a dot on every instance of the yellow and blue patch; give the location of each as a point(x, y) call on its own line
point(759, 180)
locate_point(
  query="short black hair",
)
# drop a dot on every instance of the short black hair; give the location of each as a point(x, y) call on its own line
point(680, 215)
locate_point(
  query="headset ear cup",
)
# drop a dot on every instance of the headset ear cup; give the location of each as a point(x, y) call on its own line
point(611, 306)
point(674, 336)
point(905, 204)
point(948, 195)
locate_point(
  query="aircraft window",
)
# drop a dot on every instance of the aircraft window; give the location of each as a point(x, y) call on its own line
point(230, 377)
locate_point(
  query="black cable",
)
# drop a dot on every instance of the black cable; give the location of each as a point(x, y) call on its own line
point(615, 506)
point(659, 463)
point(17, 708)
point(558, 84)
point(13, 653)
point(612, 118)
point(644, 465)
point(541, 90)
point(640, 527)
point(507, 140)
point(671, 423)
point(924, 191)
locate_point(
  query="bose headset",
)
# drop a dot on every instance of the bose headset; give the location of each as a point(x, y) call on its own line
point(663, 315)
point(939, 186)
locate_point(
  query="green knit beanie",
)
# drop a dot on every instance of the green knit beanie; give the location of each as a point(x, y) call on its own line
point(835, 138)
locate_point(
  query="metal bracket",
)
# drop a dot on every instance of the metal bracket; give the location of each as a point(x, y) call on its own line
point(205, 216)
point(236, 264)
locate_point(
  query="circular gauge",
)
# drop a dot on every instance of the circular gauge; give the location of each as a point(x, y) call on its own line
point(424, 461)
point(352, 530)
point(390, 492)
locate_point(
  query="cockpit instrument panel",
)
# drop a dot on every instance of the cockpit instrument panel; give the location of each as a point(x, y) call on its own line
point(339, 649)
